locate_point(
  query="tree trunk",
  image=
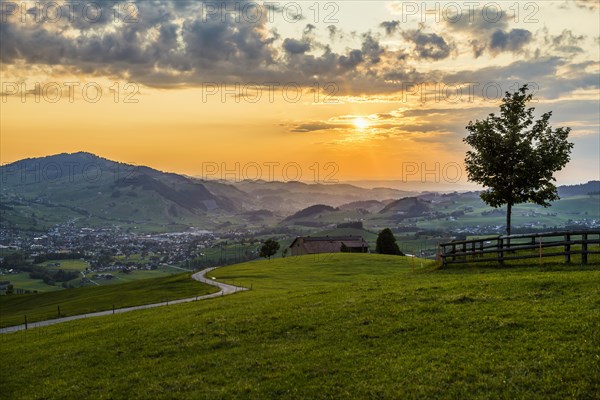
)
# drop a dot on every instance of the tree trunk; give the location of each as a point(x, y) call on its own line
point(508, 214)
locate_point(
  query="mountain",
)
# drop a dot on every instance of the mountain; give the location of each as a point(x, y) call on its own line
point(290, 197)
point(87, 190)
point(77, 186)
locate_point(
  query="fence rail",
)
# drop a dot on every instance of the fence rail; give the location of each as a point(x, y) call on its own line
point(504, 248)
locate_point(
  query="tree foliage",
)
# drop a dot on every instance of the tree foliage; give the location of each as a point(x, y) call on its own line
point(386, 243)
point(269, 248)
point(515, 156)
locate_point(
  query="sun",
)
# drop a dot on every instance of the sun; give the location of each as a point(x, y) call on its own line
point(361, 123)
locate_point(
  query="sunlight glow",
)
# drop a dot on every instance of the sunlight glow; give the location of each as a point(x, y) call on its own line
point(361, 123)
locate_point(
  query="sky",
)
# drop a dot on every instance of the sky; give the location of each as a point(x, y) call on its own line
point(316, 91)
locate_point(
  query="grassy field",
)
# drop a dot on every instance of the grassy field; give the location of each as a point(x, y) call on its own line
point(43, 306)
point(23, 281)
point(68, 265)
point(334, 326)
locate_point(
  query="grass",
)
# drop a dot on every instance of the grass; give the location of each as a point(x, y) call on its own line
point(23, 281)
point(44, 306)
point(67, 265)
point(334, 326)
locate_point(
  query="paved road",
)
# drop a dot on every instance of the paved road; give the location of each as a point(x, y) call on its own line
point(199, 276)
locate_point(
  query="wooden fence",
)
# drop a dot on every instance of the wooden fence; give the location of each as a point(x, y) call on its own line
point(517, 247)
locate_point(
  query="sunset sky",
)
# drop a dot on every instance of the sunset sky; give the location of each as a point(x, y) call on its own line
point(362, 89)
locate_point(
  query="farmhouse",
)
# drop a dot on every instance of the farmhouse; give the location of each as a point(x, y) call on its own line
point(328, 244)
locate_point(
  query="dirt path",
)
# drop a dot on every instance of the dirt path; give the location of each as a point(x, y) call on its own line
point(199, 276)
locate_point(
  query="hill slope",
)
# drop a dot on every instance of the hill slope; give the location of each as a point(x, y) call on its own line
point(333, 326)
point(83, 186)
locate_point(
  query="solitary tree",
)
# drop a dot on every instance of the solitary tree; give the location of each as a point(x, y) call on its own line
point(386, 243)
point(515, 157)
point(269, 248)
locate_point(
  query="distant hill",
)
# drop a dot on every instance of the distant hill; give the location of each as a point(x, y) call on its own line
point(311, 211)
point(409, 207)
point(290, 197)
point(592, 187)
point(367, 205)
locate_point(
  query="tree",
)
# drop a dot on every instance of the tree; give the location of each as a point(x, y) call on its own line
point(515, 157)
point(269, 248)
point(386, 243)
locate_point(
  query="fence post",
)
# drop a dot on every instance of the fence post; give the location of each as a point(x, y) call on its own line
point(453, 252)
point(442, 250)
point(113, 309)
point(540, 250)
point(584, 247)
point(500, 251)
point(58, 311)
point(568, 248)
point(25, 322)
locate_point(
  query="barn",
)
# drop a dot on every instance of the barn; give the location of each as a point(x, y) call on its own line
point(328, 244)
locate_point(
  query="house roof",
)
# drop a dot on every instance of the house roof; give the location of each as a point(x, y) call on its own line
point(329, 241)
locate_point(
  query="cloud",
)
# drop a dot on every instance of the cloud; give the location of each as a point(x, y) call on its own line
point(176, 44)
point(493, 35)
point(588, 4)
point(312, 127)
point(390, 27)
point(566, 42)
point(513, 41)
point(428, 45)
point(294, 46)
point(334, 33)
point(371, 48)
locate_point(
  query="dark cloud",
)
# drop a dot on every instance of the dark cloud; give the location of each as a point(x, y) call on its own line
point(309, 28)
point(390, 26)
point(513, 41)
point(173, 44)
point(428, 45)
point(490, 34)
point(371, 48)
point(294, 46)
point(176, 43)
point(352, 60)
point(332, 31)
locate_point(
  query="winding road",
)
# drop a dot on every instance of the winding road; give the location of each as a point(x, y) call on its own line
point(199, 276)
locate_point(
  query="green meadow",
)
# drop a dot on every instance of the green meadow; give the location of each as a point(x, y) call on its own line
point(333, 326)
point(43, 306)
